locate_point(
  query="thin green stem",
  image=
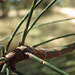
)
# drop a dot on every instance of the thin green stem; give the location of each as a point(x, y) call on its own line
point(57, 21)
point(7, 71)
point(15, 31)
point(10, 36)
point(46, 64)
point(46, 8)
point(2, 58)
point(54, 39)
point(4, 67)
point(18, 72)
point(2, 50)
point(28, 21)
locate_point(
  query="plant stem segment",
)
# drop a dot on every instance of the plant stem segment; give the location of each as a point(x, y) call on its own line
point(28, 21)
point(8, 71)
point(57, 21)
point(54, 39)
point(54, 52)
point(2, 50)
point(2, 59)
point(15, 31)
point(3, 68)
point(50, 4)
point(46, 64)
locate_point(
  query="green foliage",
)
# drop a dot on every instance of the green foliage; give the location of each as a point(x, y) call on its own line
point(36, 67)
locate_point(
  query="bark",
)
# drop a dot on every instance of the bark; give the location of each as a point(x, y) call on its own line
point(18, 54)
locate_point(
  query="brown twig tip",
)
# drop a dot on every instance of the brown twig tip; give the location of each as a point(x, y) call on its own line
point(28, 54)
point(21, 47)
point(58, 49)
point(25, 30)
point(43, 62)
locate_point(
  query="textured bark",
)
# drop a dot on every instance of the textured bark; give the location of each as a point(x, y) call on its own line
point(18, 54)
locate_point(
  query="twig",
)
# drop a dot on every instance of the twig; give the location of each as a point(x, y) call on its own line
point(2, 58)
point(67, 35)
point(3, 68)
point(2, 49)
point(8, 71)
point(57, 21)
point(55, 52)
point(19, 54)
point(15, 31)
point(28, 21)
point(46, 64)
point(46, 8)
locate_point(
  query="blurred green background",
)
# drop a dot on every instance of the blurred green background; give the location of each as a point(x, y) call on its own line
point(11, 13)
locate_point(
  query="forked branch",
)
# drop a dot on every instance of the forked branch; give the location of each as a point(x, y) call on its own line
point(19, 53)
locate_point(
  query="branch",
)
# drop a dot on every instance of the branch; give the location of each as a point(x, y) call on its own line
point(55, 52)
point(18, 54)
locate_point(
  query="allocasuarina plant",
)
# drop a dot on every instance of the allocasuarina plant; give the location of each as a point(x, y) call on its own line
point(23, 52)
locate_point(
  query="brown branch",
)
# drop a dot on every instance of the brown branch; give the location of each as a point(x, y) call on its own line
point(18, 54)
